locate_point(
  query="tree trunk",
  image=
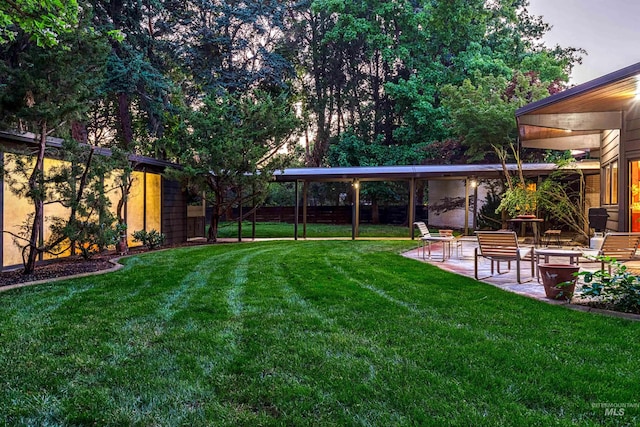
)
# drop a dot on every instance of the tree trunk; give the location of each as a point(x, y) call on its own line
point(35, 189)
point(215, 220)
point(124, 118)
point(375, 213)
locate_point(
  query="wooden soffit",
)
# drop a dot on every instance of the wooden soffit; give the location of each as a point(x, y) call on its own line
point(612, 92)
point(528, 132)
point(577, 115)
point(573, 142)
point(575, 121)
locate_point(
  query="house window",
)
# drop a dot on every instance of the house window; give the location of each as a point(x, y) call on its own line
point(610, 189)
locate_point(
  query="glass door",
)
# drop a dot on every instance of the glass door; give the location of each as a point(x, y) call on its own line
point(634, 196)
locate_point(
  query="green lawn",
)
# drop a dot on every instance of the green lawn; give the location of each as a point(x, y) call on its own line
point(305, 333)
point(281, 229)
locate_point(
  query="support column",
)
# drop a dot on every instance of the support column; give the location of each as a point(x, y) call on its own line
point(466, 206)
point(295, 213)
point(355, 210)
point(475, 184)
point(305, 194)
point(255, 215)
point(412, 206)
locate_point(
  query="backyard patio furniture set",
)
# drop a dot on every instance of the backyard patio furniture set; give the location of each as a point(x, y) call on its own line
point(503, 246)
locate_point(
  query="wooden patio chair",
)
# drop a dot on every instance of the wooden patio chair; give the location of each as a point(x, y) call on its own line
point(499, 246)
point(620, 246)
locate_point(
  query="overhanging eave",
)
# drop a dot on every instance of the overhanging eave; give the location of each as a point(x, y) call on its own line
point(580, 142)
point(575, 121)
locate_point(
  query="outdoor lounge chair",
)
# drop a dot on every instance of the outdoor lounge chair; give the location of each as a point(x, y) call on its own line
point(499, 246)
point(620, 246)
point(428, 239)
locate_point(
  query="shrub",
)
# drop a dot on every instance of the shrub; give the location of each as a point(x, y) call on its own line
point(151, 239)
point(618, 290)
point(88, 237)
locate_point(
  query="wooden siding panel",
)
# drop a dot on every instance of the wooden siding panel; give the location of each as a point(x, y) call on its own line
point(631, 146)
point(610, 145)
point(632, 123)
point(631, 135)
point(174, 212)
point(613, 223)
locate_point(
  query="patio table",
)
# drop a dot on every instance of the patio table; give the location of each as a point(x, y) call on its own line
point(533, 222)
point(446, 245)
point(572, 255)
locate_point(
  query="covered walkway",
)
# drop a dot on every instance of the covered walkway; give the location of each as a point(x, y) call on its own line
point(410, 174)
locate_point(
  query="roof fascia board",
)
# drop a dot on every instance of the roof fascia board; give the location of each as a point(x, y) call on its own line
point(30, 138)
point(383, 173)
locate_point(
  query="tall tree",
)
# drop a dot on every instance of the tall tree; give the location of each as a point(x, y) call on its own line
point(138, 88)
point(41, 93)
point(482, 110)
point(232, 146)
point(390, 60)
point(44, 21)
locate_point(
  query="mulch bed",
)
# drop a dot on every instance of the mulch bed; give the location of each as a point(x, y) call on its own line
point(59, 268)
point(70, 266)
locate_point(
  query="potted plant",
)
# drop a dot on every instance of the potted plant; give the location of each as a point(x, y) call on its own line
point(121, 235)
point(559, 280)
point(520, 198)
point(519, 201)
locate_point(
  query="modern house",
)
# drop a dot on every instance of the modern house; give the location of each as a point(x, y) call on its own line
point(154, 202)
point(602, 118)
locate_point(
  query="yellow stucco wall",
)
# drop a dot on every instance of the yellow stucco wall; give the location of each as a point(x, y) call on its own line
point(153, 197)
point(135, 206)
point(54, 210)
point(15, 212)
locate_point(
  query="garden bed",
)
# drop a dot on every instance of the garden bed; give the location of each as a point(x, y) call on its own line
point(71, 266)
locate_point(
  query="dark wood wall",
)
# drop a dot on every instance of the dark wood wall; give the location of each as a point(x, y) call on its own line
point(609, 153)
point(174, 212)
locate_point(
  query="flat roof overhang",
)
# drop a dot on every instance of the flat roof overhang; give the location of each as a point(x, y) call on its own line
point(574, 119)
point(394, 173)
point(20, 139)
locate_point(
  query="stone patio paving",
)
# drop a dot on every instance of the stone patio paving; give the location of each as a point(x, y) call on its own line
point(462, 263)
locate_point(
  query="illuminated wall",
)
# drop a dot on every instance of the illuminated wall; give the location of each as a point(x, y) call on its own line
point(14, 212)
point(144, 203)
point(113, 191)
point(54, 210)
point(634, 197)
point(143, 208)
point(135, 206)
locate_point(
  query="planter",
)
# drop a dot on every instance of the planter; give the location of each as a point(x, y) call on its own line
point(121, 245)
point(555, 278)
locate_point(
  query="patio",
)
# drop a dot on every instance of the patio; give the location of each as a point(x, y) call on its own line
point(462, 263)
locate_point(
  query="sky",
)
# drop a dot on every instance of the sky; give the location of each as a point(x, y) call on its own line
point(609, 30)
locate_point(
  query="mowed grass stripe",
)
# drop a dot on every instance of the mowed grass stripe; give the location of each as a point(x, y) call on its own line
point(333, 354)
point(361, 321)
point(306, 333)
point(290, 353)
point(463, 335)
